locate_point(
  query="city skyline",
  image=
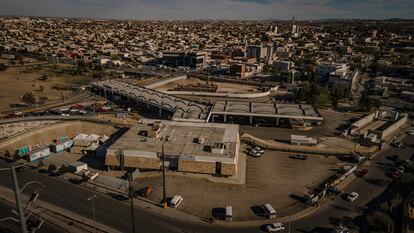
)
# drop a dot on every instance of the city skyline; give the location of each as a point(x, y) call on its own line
point(214, 9)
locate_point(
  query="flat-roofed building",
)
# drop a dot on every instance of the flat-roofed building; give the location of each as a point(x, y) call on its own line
point(207, 148)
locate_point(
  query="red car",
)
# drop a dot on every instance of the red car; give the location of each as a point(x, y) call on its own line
point(146, 191)
point(361, 173)
point(393, 173)
point(77, 106)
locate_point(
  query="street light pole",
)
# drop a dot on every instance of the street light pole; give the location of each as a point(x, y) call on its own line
point(93, 210)
point(131, 198)
point(22, 219)
point(164, 198)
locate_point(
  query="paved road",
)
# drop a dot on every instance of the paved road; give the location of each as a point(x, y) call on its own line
point(5, 212)
point(328, 127)
point(369, 187)
point(117, 214)
point(111, 212)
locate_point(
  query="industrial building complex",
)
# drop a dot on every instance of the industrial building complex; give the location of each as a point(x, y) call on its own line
point(206, 148)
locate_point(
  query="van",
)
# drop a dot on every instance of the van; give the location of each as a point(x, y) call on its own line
point(229, 213)
point(270, 211)
point(176, 201)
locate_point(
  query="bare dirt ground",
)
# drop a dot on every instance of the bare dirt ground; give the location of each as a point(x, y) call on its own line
point(47, 134)
point(16, 81)
point(222, 87)
point(273, 178)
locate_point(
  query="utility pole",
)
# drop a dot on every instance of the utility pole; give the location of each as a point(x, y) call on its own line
point(164, 197)
point(131, 198)
point(93, 210)
point(22, 219)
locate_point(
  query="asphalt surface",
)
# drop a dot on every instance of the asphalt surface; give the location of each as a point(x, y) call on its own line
point(116, 214)
point(111, 212)
point(5, 212)
point(368, 188)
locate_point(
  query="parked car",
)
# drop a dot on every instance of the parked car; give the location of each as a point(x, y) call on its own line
point(146, 191)
point(398, 144)
point(361, 172)
point(274, 227)
point(393, 173)
point(258, 149)
point(411, 132)
point(176, 201)
point(254, 154)
point(393, 157)
point(401, 169)
point(352, 196)
point(301, 157)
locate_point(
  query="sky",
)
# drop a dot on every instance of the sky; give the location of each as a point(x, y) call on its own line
point(211, 9)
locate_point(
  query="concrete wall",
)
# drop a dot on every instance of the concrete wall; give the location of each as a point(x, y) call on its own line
point(196, 167)
point(228, 95)
point(165, 81)
point(228, 169)
point(388, 131)
point(364, 121)
point(141, 162)
point(112, 159)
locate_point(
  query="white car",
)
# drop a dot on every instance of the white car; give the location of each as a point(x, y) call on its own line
point(352, 196)
point(411, 132)
point(255, 154)
point(274, 227)
point(401, 169)
point(258, 149)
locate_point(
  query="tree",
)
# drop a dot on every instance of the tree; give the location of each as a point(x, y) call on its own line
point(2, 67)
point(40, 164)
point(320, 96)
point(366, 103)
point(52, 168)
point(7, 154)
point(28, 98)
point(43, 99)
point(304, 93)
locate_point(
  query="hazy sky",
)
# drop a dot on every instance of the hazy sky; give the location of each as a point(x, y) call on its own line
point(210, 9)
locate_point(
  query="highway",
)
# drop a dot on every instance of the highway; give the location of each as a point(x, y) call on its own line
point(111, 212)
point(5, 212)
point(116, 214)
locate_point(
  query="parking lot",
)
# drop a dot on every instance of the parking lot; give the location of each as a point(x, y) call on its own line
point(273, 179)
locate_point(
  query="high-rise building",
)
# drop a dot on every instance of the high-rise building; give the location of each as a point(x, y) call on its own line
point(255, 51)
point(259, 52)
point(295, 31)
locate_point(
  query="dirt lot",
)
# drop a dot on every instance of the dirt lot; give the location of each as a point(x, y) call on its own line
point(47, 134)
point(222, 87)
point(16, 81)
point(269, 179)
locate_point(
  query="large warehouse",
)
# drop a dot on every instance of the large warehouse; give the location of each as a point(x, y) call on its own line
point(188, 147)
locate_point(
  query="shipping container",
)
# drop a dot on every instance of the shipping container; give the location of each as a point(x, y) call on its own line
point(39, 153)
